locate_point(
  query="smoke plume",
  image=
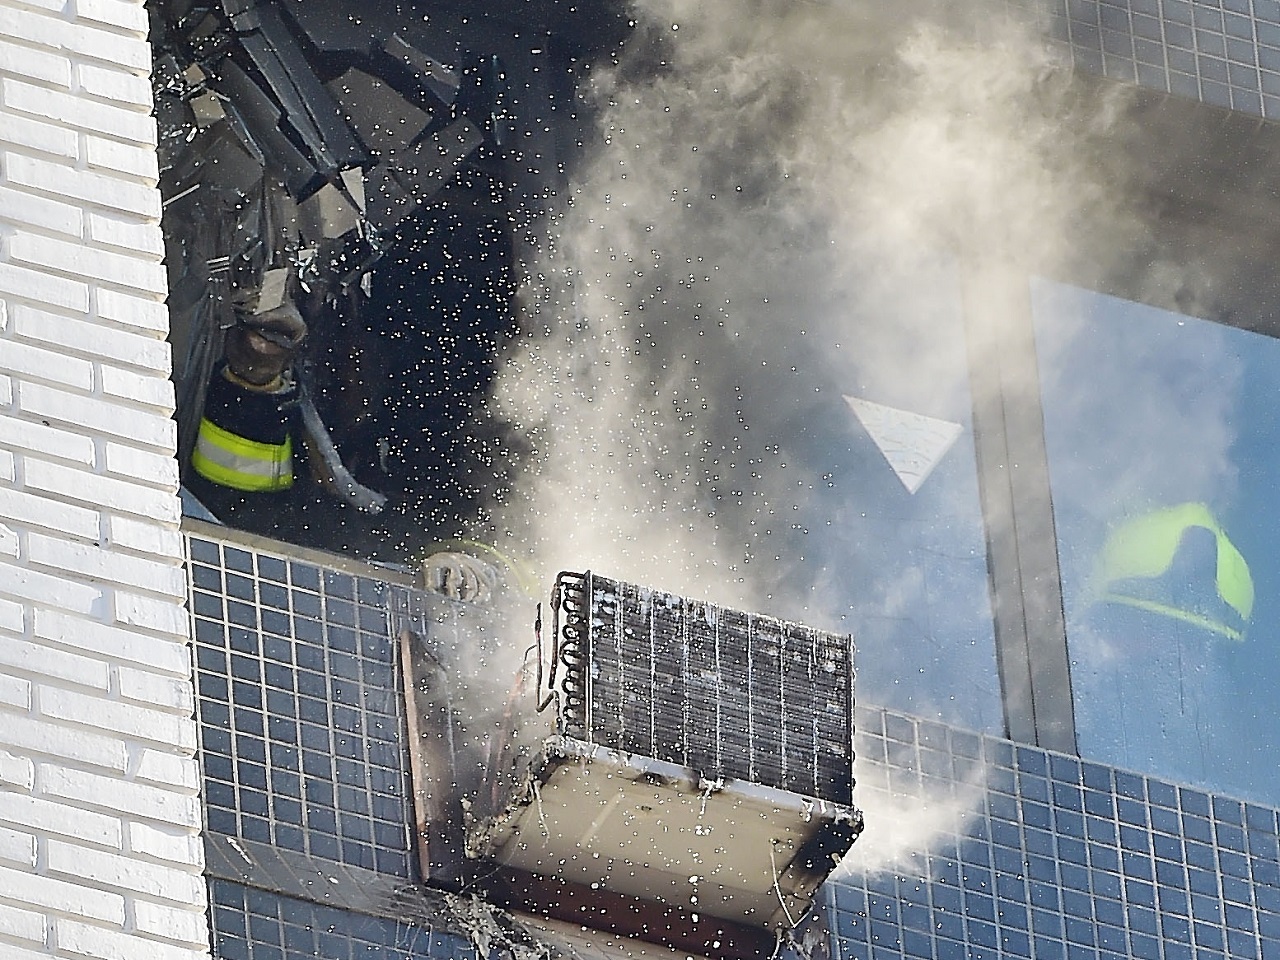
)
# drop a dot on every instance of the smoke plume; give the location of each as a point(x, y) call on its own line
point(904, 821)
point(771, 216)
point(777, 212)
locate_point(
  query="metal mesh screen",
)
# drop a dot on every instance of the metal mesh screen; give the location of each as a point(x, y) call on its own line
point(727, 693)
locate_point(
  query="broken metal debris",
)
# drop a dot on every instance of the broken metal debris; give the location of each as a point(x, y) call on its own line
point(492, 931)
point(294, 140)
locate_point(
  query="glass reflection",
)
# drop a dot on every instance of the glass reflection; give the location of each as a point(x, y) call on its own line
point(895, 539)
point(1163, 464)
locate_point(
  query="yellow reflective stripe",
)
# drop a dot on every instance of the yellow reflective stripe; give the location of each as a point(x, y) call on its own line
point(1173, 613)
point(242, 464)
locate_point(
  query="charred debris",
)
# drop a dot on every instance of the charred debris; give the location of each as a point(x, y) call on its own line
point(385, 168)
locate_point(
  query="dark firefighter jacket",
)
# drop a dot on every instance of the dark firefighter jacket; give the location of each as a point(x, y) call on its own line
point(245, 439)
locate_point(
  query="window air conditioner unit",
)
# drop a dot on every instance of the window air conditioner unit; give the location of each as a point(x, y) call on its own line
point(688, 776)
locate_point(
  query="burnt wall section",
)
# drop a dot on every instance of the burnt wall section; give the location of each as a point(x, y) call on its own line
point(387, 174)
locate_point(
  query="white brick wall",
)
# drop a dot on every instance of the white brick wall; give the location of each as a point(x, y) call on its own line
point(100, 853)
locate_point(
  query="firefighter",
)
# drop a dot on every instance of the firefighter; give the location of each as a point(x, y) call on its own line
point(255, 410)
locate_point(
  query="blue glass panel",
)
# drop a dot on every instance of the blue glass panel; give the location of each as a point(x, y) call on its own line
point(282, 687)
point(1162, 794)
point(1139, 893)
point(897, 531)
point(255, 924)
point(1143, 947)
point(1163, 473)
point(1015, 943)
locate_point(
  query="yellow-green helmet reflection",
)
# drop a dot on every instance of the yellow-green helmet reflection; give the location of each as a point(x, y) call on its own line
point(1140, 552)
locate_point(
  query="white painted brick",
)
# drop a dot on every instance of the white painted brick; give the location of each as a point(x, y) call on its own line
point(55, 6)
point(115, 84)
point(127, 15)
point(97, 563)
point(116, 870)
point(36, 437)
point(12, 616)
point(9, 545)
point(143, 388)
point(141, 162)
point(37, 587)
point(173, 923)
point(35, 64)
point(16, 771)
point(91, 413)
point(167, 843)
point(157, 653)
point(95, 188)
point(118, 495)
point(38, 736)
point(12, 952)
point(38, 135)
point(121, 122)
point(29, 360)
point(168, 769)
point(15, 692)
point(86, 39)
point(152, 613)
point(143, 801)
point(22, 924)
point(102, 265)
point(136, 311)
point(117, 50)
point(143, 686)
point(40, 511)
point(145, 537)
point(43, 661)
point(61, 895)
point(42, 30)
point(38, 286)
point(4, 316)
point(50, 816)
point(8, 470)
point(17, 847)
point(96, 339)
point(18, 206)
point(134, 237)
point(6, 390)
point(154, 468)
point(89, 941)
point(133, 722)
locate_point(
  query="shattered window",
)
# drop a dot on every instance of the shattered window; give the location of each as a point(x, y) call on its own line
point(346, 200)
point(1162, 463)
point(601, 289)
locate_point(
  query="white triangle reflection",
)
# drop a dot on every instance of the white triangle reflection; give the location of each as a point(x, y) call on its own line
point(912, 443)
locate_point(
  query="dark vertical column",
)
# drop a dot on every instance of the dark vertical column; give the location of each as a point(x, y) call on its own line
point(1013, 481)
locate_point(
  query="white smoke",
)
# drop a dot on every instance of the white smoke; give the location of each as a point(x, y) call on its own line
point(769, 175)
point(903, 821)
point(780, 190)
